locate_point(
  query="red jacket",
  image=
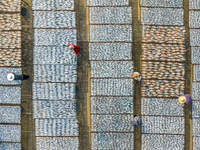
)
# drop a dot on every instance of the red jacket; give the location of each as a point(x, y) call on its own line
point(76, 48)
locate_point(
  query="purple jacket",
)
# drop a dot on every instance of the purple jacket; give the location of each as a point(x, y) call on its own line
point(188, 97)
point(136, 121)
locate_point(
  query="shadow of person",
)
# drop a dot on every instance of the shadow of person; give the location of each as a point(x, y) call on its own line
point(143, 130)
point(26, 77)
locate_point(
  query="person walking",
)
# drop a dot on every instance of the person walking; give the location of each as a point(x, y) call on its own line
point(136, 121)
point(76, 48)
point(137, 76)
point(184, 98)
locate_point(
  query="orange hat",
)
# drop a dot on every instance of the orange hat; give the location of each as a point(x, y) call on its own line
point(182, 99)
point(135, 75)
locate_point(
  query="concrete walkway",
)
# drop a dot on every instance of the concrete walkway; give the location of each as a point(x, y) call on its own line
point(10, 61)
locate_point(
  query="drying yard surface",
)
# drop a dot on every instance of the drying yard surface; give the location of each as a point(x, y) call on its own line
point(88, 101)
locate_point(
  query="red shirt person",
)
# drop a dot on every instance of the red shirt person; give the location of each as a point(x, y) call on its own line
point(76, 48)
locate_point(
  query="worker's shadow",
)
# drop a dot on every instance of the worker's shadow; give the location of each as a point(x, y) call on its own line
point(143, 130)
point(26, 77)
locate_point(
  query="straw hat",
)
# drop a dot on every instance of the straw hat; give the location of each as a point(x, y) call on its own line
point(71, 47)
point(182, 99)
point(135, 75)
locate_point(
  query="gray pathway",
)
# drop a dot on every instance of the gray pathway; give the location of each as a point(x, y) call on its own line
point(162, 117)
point(194, 25)
point(111, 68)
point(54, 103)
point(10, 55)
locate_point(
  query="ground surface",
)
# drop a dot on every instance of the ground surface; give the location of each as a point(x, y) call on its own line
point(90, 106)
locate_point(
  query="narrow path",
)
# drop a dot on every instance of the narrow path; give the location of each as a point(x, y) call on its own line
point(136, 54)
point(28, 126)
point(188, 75)
point(83, 75)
